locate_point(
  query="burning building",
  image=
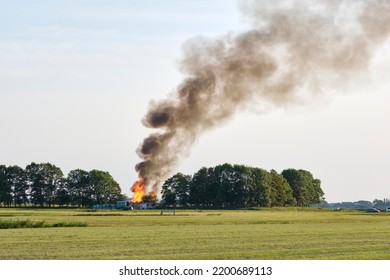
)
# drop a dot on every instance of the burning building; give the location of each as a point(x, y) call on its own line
point(140, 199)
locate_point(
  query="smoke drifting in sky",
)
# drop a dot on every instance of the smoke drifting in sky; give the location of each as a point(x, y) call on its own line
point(294, 47)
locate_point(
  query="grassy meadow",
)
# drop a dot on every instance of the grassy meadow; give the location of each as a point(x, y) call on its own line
point(270, 233)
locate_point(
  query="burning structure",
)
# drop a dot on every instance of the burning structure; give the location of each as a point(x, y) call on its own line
point(295, 50)
point(138, 189)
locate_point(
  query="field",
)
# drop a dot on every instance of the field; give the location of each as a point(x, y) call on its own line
point(291, 233)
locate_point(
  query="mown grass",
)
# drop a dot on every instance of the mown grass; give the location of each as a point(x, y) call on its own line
point(275, 233)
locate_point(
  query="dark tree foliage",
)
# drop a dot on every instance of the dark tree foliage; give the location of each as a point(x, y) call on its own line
point(176, 190)
point(78, 187)
point(318, 192)
point(260, 187)
point(19, 187)
point(104, 189)
point(202, 188)
point(306, 189)
point(44, 185)
point(94, 187)
point(221, 186)
point(280, 191)
point(297, 185)
point(5, 187)
point(239, 186)
point(239, 192)
point(62, 196)
point(43, 179)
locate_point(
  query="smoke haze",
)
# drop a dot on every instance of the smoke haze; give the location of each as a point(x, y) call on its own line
point(294, 47)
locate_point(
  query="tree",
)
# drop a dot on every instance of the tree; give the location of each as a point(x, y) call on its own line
point(280, 191)
point(295, 180)
point(62, 196)
point(176, 190)
point(199, 188)
point(168, 195)
point(319, 193)
point(103, 187)
point(44, 184)
point(237, 186)
point(44, 179)
point(306, 189)
point(78, 186)
point(260, 187)
point(5, 187)
point(221, 180)
point(221, 186)
point(240, 189)
point(18, 180)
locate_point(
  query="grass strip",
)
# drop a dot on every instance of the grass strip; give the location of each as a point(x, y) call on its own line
point(11, 224)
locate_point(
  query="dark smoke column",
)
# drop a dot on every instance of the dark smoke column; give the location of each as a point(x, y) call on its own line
point(293, 47)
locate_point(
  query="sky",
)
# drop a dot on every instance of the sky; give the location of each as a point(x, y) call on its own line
point(76, 78)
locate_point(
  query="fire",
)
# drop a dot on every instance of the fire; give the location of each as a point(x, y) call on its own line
point(138, 189)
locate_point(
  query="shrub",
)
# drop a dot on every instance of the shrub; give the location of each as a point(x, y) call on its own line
point(8, 224)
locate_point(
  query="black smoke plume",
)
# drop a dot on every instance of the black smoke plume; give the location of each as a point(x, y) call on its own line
point(293, 47)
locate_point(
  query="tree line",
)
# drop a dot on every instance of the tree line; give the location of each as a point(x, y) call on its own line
point(239, 186)
point(360, 204)
point(44, 185)
point(222, 186)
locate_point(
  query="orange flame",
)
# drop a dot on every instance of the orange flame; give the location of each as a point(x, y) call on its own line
point(138, 189)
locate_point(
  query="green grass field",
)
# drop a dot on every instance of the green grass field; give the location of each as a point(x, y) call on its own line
point(291, 233)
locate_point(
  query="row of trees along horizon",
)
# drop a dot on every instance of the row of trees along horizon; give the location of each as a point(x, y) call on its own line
point(222, 186)
point(44, 185)
point(240, 186)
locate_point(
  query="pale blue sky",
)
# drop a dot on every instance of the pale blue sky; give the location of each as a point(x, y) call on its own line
point(76, 78)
